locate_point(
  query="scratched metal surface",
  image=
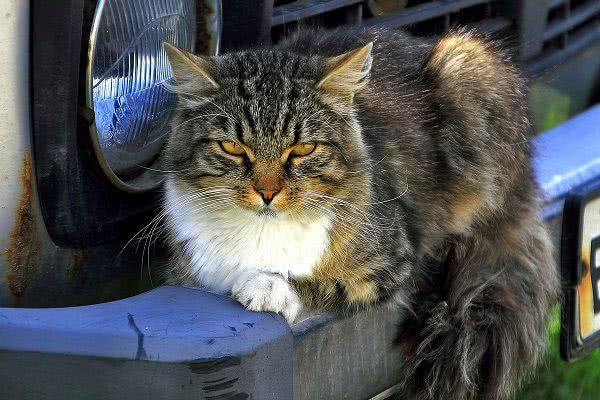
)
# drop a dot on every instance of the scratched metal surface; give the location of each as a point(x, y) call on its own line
point(569, 154)
point(200, 346)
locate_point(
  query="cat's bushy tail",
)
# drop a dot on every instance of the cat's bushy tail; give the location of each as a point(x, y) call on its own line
point(481, 337)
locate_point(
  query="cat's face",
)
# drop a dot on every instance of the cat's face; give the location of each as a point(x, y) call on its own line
point(266, 132)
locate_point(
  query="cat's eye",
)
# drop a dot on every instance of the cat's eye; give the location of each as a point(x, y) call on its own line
point(232, 148)
point(303, 149)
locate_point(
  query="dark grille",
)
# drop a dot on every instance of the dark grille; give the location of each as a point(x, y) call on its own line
point(293, 11)
point(570, 27)
point(420, 17)
point(544, 32)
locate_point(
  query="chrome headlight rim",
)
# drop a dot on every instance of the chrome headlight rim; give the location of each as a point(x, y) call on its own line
point(150, 178)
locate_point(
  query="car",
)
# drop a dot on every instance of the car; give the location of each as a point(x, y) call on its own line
point(83, 116)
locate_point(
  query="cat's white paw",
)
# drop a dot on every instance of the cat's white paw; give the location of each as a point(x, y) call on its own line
point(268, 292)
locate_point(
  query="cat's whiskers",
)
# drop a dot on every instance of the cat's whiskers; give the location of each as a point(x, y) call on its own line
point(360, 228)
point(214, 205)
point(368, 168)
point(195, 195)
point(225, 112)
point(363, 213)
point(211, 198)
point(355, 206)
point(391, 199)
point(164, 171)
point(155, 232)
point(150, 232)
point(351, 221)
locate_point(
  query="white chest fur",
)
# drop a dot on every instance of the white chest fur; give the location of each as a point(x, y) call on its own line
point(225, 245)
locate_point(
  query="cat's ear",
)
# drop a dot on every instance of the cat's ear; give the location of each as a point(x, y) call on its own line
point(191, 70)
point(347, 73)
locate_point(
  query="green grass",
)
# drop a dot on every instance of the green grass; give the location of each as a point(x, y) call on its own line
point(550, 107)
point(556, 379)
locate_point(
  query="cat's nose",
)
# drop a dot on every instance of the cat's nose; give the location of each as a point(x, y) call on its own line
point(267, 195)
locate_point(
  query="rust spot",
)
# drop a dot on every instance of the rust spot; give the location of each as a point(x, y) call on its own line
point(23, 251)
point(586, 298)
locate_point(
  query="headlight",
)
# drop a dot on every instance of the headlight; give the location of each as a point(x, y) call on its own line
point(126, 68)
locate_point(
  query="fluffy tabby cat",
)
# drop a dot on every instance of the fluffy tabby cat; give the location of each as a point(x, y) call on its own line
point(342, 169)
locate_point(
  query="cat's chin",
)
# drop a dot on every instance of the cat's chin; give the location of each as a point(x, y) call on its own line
point(261, 213)
point(266, 212)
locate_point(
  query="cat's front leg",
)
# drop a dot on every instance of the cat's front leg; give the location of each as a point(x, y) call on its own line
point(264, 291)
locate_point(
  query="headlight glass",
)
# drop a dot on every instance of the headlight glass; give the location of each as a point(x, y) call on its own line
point(127, 66)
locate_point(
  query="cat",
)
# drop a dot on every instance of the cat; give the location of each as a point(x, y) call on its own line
point(349, 168)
